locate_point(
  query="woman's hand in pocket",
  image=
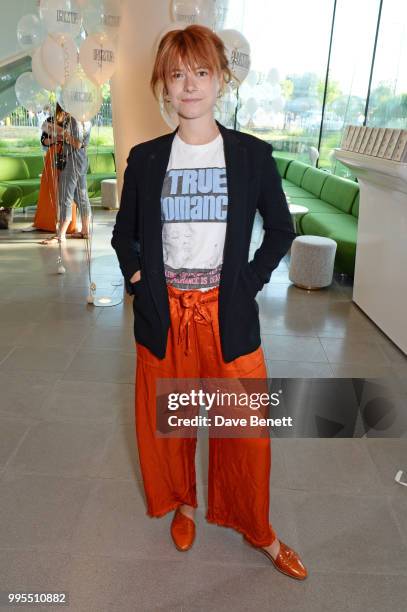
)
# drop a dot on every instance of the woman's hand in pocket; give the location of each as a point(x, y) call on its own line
point(136, 277)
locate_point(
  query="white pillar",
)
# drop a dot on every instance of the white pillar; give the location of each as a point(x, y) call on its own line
point(136, 114)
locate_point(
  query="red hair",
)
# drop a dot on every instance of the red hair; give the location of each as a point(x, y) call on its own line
point(196, 45)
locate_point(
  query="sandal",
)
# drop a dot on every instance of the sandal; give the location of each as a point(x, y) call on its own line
point(79, 235)
point(53, 240)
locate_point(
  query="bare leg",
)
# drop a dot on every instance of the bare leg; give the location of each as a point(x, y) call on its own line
point(84, 233)
point(61, 237)
point(274, 548)
point(187, 510)
point(82, 198)
point(63, 228)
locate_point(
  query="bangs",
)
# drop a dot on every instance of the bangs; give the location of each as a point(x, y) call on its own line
point(191, 55)
point(195, 47)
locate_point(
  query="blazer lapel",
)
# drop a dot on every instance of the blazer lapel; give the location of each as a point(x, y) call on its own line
point(156, 169)
point(237, 180)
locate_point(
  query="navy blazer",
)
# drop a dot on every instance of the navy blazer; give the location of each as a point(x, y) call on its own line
point(253, 183)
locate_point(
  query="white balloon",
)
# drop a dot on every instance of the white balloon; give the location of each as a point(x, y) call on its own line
point(273, 76)
point(275, 91)
point(260, 118)
point(252, 78)
point(30, 32)
point(30, 94)
point(246, 91)
point(243, 116)
point(81, 97)
point(61, 16)
point(277, 104)
point(97, 56)
point(39, 72)
point(164, 31)
point(225, 107)
point(251, 106)
point(190, 12)
point(221, 10)
point(102, 16)
point(59, 57)
point(238, 53)
point(8, 102)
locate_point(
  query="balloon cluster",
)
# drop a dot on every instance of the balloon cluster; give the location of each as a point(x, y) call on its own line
point(261, 99)
point(212, 14)
point(73, 48)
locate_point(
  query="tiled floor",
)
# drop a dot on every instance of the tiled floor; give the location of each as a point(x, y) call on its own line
point(72, 514)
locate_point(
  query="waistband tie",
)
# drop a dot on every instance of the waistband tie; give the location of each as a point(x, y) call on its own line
point(192, 304)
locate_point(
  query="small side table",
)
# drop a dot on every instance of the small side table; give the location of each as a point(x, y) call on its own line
point(109, 193)
point(297, 209)
point(312, 262)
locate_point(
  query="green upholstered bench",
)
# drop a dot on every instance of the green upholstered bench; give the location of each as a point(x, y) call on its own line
point(101, 166)
point(23, 172)
point(333, 206)
point(16, 172)
point(10, 195)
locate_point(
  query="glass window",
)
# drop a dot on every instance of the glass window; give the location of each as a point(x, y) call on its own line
point(388, 95)
point(348, 82)
point(281, 100)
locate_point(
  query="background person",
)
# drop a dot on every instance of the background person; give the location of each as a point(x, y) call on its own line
point(72, 184)
point(46, 212)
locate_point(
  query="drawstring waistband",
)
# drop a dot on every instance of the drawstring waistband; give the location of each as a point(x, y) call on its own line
point(192, 305)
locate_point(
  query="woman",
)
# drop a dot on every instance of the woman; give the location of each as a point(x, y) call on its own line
point(46, 214)
point(195, 315)
point(73, 164)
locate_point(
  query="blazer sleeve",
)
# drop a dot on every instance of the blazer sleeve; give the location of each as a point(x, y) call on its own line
point(277, 223)
point(126, 236)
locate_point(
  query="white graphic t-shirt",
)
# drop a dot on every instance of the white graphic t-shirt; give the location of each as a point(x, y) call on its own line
point(194, 204)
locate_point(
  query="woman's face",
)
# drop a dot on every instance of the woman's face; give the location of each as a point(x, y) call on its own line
point(192, 93)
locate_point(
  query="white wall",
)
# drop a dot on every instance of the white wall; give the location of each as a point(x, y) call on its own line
point(136, 114)
point(11, 13)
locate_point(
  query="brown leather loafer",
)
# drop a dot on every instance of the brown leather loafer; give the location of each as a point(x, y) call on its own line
point(288, 562)
point(182, 530)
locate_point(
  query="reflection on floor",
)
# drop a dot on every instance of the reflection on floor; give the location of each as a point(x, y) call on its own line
point(72, 514)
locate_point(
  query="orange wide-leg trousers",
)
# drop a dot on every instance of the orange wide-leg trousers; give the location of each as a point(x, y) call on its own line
point(239, 468)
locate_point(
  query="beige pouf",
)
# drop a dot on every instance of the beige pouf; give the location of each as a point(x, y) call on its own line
point(109, 193)
point(312, 261)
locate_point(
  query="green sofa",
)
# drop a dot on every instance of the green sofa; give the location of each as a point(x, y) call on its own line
point(23, 172)
point(333, 205)
point(10, 195)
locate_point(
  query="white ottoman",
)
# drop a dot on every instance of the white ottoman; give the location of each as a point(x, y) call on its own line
point(312, 261)
point(109, 193)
